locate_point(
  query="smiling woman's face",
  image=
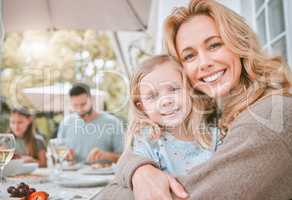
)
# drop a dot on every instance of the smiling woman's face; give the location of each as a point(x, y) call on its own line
point(211, 67)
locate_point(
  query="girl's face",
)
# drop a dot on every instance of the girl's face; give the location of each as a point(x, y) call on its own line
point(19, 123)
point(164, 97)
point(211, 67)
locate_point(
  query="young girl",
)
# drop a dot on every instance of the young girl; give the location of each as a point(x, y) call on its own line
point(166, 118)
point(29, 145)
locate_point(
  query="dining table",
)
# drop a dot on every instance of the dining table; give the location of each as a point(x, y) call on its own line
point(79, 183)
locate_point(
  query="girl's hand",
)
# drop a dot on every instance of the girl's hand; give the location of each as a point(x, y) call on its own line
point(28, 159)
point(150, 183)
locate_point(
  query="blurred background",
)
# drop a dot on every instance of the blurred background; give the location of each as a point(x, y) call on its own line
point(46, 45)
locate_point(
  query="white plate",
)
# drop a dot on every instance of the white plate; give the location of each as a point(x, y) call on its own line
point(68, 167)
point(100, 171)
point(17, 167)
point(82, 181)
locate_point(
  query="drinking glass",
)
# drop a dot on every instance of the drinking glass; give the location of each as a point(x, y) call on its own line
point(7, 148)
point(59, 150)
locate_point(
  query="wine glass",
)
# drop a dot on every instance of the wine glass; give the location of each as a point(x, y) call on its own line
point(7, 148)
point(59, 150)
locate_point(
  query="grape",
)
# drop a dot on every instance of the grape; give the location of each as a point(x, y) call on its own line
point(26, 187)
point(14, 193)
point(21, 192)
point(11, 189)
point(21, 185)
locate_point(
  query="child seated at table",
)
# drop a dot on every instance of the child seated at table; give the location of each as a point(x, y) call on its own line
point(30, 146)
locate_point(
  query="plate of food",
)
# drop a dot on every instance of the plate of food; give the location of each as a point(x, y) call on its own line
point(67, 166)
point(100, 169)
point(100, 165)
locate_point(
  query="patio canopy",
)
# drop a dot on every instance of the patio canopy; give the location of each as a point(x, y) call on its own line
point(128, 15)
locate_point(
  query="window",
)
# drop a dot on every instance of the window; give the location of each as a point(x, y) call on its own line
point(272, 26)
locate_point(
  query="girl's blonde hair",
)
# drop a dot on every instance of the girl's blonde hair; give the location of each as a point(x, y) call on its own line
point(29, 134)
point(261, 75)
point(195, 122)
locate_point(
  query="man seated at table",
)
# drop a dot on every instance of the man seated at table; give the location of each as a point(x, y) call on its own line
point(91, 135)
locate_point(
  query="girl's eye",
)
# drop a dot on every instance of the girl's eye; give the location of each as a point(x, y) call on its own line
point(150, 96)
point(174, 89)
point(215, 45)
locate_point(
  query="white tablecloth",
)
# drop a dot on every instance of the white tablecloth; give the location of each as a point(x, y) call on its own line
point(42, 180)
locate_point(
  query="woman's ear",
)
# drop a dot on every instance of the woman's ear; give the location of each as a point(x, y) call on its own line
point(139, 105)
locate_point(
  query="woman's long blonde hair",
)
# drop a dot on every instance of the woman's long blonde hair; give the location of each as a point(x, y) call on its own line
point(195, 122)
point(261, 75)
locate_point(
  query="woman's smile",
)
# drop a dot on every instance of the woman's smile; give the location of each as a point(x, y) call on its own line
point(213, 76)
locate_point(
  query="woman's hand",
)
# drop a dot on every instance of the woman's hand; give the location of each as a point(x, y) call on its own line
point(28, 159)
point(96, 154)
point(150, 183)
point(16, 156)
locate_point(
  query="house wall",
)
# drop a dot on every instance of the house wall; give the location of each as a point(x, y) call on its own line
point(247, 10)
point(159, 10)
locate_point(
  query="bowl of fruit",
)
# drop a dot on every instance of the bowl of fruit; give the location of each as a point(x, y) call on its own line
point(24, 192)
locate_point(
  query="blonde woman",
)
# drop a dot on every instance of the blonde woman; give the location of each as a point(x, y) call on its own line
point(224, 61)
